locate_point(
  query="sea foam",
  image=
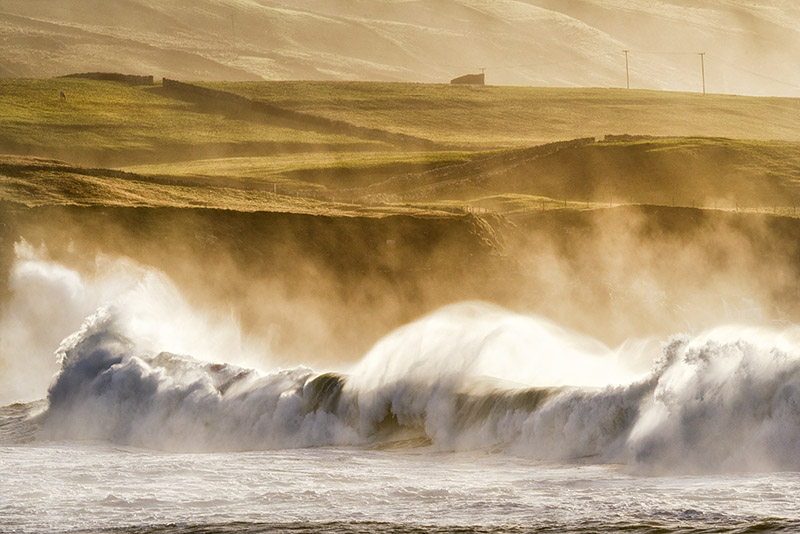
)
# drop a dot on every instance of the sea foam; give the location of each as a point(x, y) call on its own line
point(141, 371)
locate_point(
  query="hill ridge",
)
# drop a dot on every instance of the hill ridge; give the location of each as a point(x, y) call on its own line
point(244, 108)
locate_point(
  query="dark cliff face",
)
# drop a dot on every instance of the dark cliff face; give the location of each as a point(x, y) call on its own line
point(330, 286)
point(325, 288)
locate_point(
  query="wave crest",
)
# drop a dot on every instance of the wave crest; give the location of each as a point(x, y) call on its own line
point(724, 400)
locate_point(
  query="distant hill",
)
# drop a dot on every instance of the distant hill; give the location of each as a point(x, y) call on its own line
point(751, 46)
point(491, 117)
point(107, 124)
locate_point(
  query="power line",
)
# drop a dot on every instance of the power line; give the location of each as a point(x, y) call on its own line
point(662, 53)
point(736, 67)
point(627, 53)
point(533, 65)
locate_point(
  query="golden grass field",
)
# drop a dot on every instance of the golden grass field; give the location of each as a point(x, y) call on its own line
point(481, 134)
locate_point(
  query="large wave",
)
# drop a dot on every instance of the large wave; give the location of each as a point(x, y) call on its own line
point(469, 376)
point(727, 399)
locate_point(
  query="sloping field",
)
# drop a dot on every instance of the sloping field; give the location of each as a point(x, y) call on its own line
point(277, 167)
point(108, 124)
point(316, 171)
point(40, 182)
point(37, 182)
point(701, 172)
point(491, 117)
point(706, 172)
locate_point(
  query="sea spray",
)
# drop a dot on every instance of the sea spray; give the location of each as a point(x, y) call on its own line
point(49, 300)
point(476, 339)
point(113, 387)
point(469, 376)
point(725, 400)
point(109, 390)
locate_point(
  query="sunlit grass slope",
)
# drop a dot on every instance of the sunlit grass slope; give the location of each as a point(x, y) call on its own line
point(39, 182)
point(696, 172)
point(111, 123)
point(180, 153)
point(34, 182)
point(702, 172)
point(317, 171)
point(490, 116)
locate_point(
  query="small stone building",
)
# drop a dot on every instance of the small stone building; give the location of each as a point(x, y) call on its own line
point(469, 79)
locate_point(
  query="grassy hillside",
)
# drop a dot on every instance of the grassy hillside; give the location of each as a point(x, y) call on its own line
point(110, 124)
point(580, 174)
point(289, 165)
point(40, 182)
point(36, 182)
point(489, 117)
point(705, 172)
point(316, 172)
point(107, 123)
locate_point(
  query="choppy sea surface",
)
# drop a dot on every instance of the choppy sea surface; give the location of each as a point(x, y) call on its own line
point(96, 487)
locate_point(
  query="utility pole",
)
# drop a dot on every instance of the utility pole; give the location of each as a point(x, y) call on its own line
point(627, 72)
point(703, 69)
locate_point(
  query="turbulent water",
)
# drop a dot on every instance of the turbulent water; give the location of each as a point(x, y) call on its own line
point(472, 419)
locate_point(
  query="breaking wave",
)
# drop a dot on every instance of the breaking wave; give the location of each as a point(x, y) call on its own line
point(728, 399)
point(469, 376)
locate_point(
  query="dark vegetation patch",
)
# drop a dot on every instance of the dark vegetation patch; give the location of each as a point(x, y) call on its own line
point(128, 79)
point(326, 288)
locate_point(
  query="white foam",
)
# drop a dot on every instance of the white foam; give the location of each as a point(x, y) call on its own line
point(146, 369)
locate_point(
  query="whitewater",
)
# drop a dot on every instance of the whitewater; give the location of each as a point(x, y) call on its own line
point(153, 416)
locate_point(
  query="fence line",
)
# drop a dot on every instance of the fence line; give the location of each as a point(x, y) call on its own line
point(534, 205)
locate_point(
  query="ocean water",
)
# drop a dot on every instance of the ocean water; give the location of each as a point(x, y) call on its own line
point(471, 419)
point(92, 487)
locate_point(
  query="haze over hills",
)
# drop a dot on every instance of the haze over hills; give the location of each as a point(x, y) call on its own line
point(751, 46)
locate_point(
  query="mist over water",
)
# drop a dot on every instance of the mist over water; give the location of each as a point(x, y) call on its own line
point(144, 369)
point(49, 301)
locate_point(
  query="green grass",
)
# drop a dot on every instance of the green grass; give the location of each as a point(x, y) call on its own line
point(694, 172)
point(318, 170)
point(338, 172)
point(40, 182)
point(490, 117)
point(109, 117)
point(710, 172)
